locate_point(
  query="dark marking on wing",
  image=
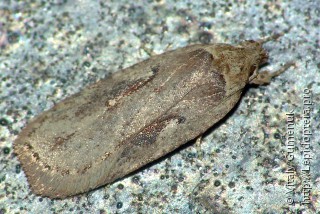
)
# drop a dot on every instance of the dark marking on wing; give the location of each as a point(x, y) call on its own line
point(36, 156)
point(85, 169)
point(155, 69)
point(28, 146)
point(113, 96)
point(148, 135)
point(59, 141)
point(46, 166)
point(126, 88)
point(65, 172)
point(83, 109)
point(219, 79)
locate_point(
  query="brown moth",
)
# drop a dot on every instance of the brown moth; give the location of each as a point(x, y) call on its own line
point(135, 116)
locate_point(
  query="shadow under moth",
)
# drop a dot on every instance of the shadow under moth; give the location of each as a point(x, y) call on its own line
point(136, 115)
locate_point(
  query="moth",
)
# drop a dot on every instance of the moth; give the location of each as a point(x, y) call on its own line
point(136, 115)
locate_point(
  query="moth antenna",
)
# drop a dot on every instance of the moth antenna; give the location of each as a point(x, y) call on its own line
point(99, 63)
point(270, 38)
point(273, 37)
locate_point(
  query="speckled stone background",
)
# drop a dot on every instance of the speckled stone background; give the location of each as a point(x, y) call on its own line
point(49, 50)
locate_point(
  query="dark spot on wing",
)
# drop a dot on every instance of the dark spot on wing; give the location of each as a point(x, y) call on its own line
point(59, 141)
point(148, 135)
point(155, 69)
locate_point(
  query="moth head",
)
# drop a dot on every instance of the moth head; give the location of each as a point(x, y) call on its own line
point(242, 62)
point(257, 56)
point(260, 56)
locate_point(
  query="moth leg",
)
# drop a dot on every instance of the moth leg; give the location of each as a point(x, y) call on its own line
point(151, 52)
point(264, 77)
point(200, 153)
point(199, 141)
point(148, 51)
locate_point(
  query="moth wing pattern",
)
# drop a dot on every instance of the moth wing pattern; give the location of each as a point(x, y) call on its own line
point(123, 122)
